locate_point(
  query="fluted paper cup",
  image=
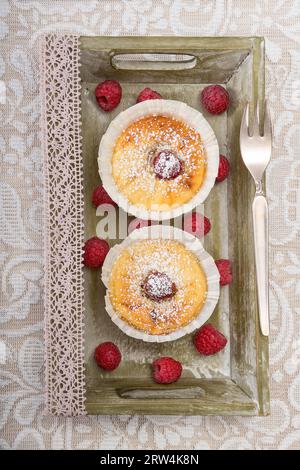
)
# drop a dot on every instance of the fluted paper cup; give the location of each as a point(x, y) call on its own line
point(207, 263)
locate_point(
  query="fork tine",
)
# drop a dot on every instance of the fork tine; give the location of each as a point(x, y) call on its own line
point(267, 122)
point(255, 130)
point(244, 131)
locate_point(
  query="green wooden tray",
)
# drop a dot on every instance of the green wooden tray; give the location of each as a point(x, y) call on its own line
point(234, 382)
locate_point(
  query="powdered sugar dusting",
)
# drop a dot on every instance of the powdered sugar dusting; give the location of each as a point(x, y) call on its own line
point(133, 169)
point(180, 268)
point(158, 286)
point(167, 165)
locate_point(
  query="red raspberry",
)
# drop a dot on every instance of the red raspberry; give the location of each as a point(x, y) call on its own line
point(166, 370)
point(95, 251)
point(209, 341)
point(224, 267)
point(100, 196)
point(107, 355)
point(223, 171)
point(158, 286)
point(148, 94)
point(167, 165)
point(108, 94)
point(197, 224)
point(215, 99)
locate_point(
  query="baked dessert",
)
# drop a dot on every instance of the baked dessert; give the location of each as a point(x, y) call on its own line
point(161, 284)
point(159, 163)
point(157, 286)
point(158, 159)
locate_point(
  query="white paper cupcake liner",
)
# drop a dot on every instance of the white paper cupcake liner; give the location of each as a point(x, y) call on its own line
point(208, 265)
point(174, 109)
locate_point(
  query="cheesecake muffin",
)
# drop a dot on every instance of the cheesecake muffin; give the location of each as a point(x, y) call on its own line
point(159, 163)
point(158, 159)
point(157, 286)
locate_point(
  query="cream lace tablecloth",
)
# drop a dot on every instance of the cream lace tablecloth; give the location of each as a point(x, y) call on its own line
point(22, 423)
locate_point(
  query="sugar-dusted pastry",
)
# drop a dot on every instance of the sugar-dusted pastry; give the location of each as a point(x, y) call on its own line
point(158, 159)
point(159, 163)
point(161, 284)
point(157, 286)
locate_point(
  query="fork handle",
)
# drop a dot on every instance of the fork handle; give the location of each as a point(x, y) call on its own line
point(261, 229)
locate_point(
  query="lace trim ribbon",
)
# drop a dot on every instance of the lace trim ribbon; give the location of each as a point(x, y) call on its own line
point(63, 225)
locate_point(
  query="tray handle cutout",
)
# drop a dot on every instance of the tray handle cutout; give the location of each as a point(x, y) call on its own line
point(157, 393)
point(157, 61)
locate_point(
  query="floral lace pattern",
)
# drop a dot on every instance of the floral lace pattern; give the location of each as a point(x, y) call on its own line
point(23, 423)
point(63, 229)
